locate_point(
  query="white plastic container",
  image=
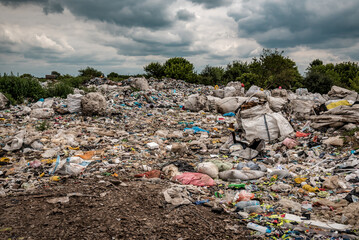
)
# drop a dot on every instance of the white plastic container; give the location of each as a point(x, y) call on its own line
point(258, 228)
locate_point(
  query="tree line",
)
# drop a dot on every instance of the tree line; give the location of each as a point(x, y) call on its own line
point(270, 70)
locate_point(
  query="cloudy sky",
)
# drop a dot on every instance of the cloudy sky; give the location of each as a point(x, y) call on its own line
point(38, 36)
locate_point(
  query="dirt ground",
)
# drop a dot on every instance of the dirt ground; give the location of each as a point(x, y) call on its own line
point(98, 209)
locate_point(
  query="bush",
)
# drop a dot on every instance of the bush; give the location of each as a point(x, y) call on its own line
point(60, 89)
point(74, 82)
point(90, 72)
point(42, 126)
point(117, 77)
point(17, 89)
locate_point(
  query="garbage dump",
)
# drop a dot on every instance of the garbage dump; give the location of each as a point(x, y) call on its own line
point(285, 164)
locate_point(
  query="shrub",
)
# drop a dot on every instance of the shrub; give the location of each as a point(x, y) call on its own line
point(60, 89)
point(17, 89)
point(90, 72)
point(44, 125)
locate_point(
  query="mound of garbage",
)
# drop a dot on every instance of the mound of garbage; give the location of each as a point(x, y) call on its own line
point(285, 163)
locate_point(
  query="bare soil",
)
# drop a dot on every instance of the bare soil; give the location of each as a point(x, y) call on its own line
point(99, 209)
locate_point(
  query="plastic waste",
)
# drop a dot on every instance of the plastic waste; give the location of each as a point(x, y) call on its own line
point(152, 145)
point(301, 134)
point(197, 179)
point(258, 228)
point(240, 175)
point(196, 129)
point(230, 114)
point(241, 205)
point(243, 195)
point(149, 174)
point(290, 143)
point(208, 168)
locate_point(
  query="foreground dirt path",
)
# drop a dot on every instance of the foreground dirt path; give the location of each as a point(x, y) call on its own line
point(98, 209)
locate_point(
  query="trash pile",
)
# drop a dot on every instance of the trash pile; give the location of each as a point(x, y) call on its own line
point(286, 164)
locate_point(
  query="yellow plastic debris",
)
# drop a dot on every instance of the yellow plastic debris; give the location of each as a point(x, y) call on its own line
point(5, 159)
point(337, 104)
point(309, 188)
point(299, 180)
point(48, 161)
point(74, 148)
point(55, 178)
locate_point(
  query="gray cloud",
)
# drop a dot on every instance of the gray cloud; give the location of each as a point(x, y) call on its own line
point(126, 34)
point(185, 15)
point(291, 23)
point(53, 7)
point(212, 3)
point(149, 14)
point(139, 13)
point(49, 6)
point(145, 48)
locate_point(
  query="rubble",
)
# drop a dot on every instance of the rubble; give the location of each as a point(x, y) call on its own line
point(273, 158)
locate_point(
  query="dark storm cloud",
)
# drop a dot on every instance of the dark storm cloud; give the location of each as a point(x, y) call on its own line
point(291, 23)
point(20, 2)
point(144, 48)
point(185, 15)
point(212, 3)
point(49, 6)
point(129, 13)
point(149, 14)
point(53, 7)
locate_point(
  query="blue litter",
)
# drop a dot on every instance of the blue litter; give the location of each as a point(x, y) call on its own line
point(196, 129)
point(230, 114)
point(201, 202)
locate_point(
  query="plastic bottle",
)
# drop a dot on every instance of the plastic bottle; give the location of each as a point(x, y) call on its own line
point(241, 205)
point(253, 209)
point(258, 228)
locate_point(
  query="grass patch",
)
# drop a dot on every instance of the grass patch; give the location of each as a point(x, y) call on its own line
point(44, 125)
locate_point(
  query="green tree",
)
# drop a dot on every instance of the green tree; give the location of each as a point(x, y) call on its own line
point(90, 72)
point(249, 79)
point(316, 81)
point(316, 62)
point(235, 70)
point(277, 70)
point(211, 75)
point(57, 74)
point(155, 69)
point(180, 68)
point(347, 71)
point(354, 83)
point(113, 75)
point(26, 75)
